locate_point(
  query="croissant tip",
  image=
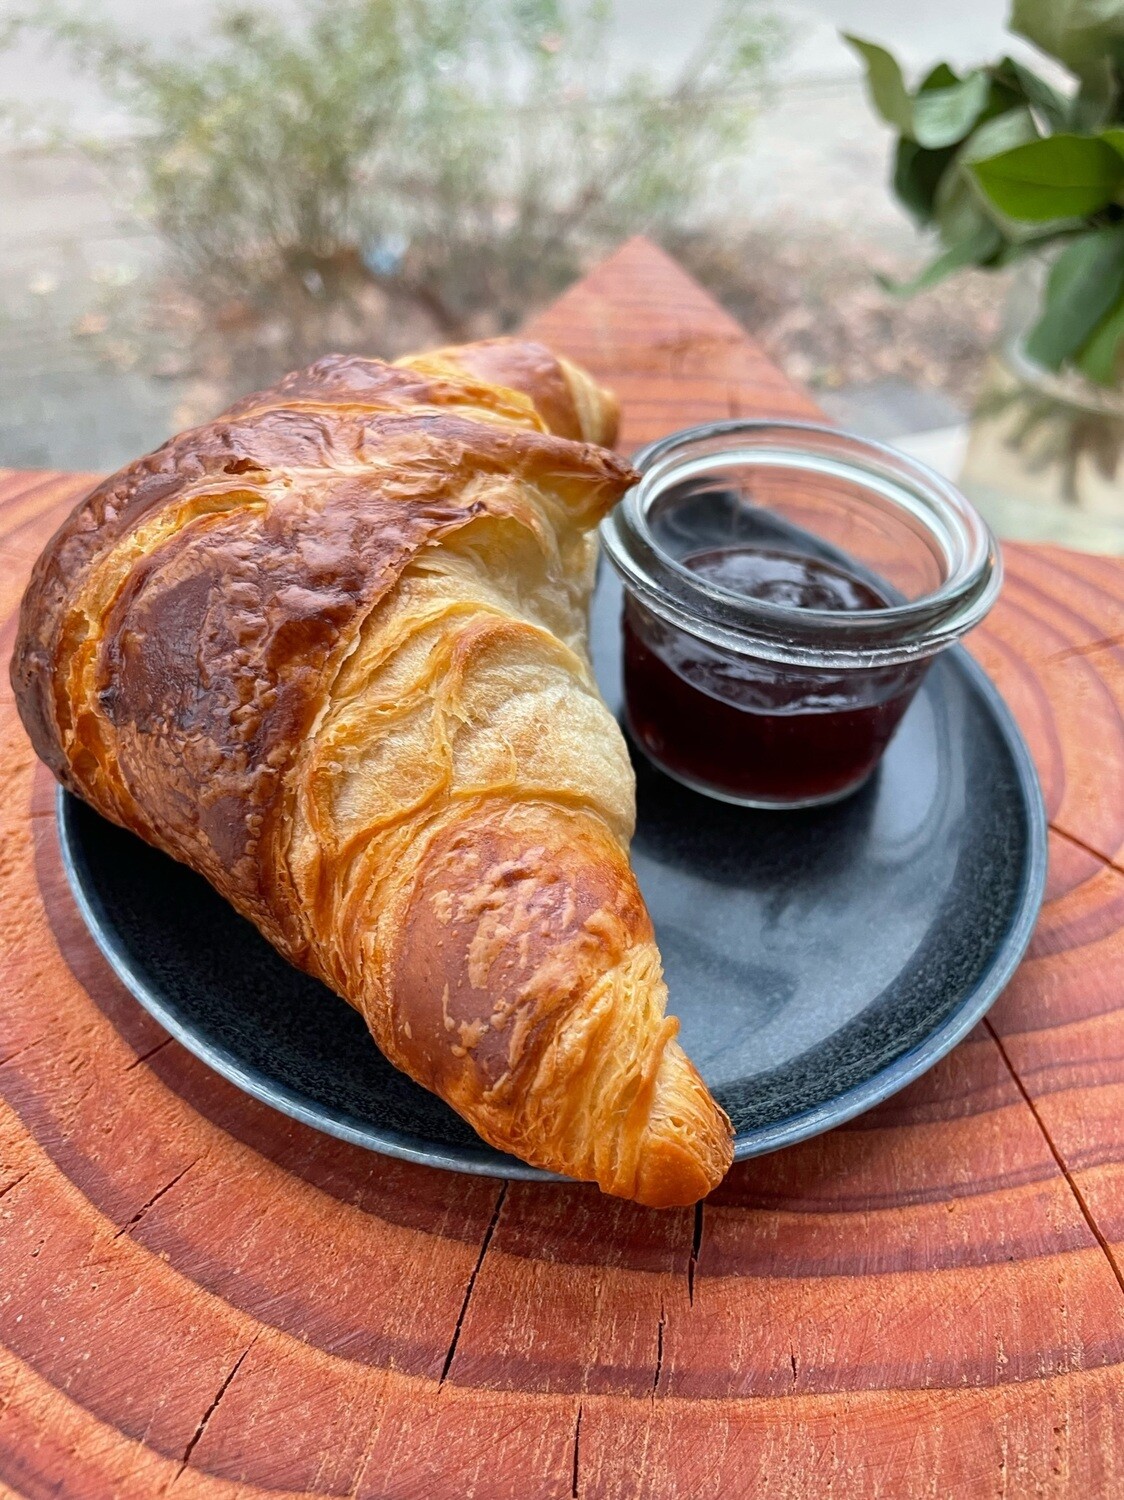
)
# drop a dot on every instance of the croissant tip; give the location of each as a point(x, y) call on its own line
point(676, 1174)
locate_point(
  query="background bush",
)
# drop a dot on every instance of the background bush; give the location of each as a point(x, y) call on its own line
point(314, 176)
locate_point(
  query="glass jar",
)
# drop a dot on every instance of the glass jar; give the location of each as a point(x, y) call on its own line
point(786, 587)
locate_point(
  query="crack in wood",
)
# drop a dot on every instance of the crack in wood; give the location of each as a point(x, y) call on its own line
point(1098, 854)
point(144, 1208)
point(1079, 1197)
point(792, 1357)
point(193, 1441)
point(659, 1347)
point(19, 1051)
point(1105, 643)
point(487, 1240)
point(143, 1057)
point(4, 1191)
point(577, 1452)
point(696, 1246)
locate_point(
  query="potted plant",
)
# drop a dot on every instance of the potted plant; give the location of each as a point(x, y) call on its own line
point(1013, 168)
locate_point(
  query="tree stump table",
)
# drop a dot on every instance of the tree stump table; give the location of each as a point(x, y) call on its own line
point(202, 1298)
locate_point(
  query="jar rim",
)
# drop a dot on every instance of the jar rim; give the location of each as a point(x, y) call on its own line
point(899, 632)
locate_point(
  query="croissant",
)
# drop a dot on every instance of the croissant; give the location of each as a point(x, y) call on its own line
point(330, 651)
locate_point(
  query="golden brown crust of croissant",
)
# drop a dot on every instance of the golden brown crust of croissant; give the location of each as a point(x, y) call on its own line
point(320, 649)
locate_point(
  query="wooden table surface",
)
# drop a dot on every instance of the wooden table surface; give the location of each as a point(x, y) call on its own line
point(204, 1298)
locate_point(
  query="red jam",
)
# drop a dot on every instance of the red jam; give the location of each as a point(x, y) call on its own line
point(755, 730)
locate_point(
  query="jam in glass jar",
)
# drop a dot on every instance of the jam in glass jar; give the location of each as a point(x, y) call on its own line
point(786, 587)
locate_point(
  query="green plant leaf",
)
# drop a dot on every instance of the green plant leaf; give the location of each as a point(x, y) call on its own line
point(885, 84)
point(943, 116)
point(957, 210)
point(932, 186)
point(1100, 356)
point(1084, 283)
point(917, 176)
point(991, 137)
point(1079, 33)
point(976, 250)
point(1054, 178)
point(940, 77)
point(1015, 127)
point(1115, 139)
point(960, 207)
point(1095, 103)
point(1036, 91)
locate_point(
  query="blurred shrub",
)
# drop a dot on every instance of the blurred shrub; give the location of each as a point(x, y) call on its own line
point(464, 156)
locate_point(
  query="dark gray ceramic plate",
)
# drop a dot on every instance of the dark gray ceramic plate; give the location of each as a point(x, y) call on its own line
point(819, 961)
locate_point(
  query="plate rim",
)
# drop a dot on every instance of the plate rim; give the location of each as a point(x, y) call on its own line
point(486, 1161)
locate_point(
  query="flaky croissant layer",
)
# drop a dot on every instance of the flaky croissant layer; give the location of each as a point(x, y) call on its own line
point(330, 651)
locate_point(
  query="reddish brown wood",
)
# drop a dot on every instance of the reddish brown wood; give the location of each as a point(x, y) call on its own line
point(198, 1296)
